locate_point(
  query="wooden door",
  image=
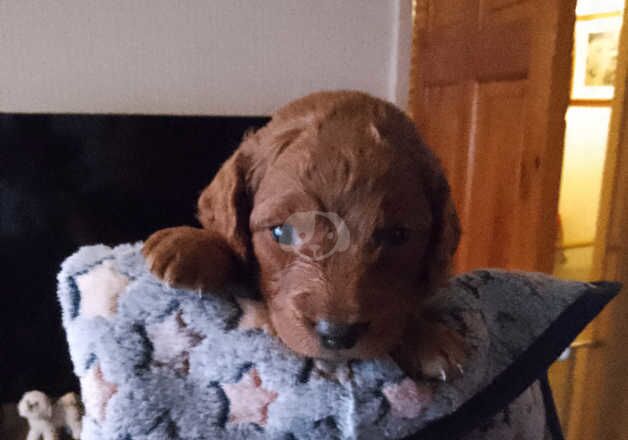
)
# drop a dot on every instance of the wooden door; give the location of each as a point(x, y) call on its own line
point(489, 91)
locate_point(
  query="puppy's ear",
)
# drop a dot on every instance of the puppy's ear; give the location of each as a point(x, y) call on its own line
point(445, 234)
point(224, 205)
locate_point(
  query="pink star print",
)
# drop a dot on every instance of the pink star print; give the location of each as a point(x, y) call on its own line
point(248, 401)
point(407, 399)
point(97, 392)
point(172, 340)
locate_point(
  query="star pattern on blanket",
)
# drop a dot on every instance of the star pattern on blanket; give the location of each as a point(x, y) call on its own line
point(172, 339)
point(100, 288)
point(248, 400)
point(96, 392)
point(231, 393)
point(407, 398)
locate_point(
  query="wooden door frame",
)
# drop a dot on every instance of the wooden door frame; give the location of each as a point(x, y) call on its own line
point(598, 407)
point(554, 102)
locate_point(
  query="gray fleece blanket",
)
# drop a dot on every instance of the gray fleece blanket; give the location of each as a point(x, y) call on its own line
point(156, 362)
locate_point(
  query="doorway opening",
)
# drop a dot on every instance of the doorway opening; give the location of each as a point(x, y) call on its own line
point(598, 24)
point(596, 38)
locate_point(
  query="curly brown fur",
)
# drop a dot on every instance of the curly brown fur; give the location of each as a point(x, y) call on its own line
point(361, 159)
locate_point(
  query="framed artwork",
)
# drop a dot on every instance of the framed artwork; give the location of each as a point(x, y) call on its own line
point(592, 7)
point(595, 58)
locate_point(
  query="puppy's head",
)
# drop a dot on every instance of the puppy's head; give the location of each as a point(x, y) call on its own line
point(346, 218)
point(35, 405)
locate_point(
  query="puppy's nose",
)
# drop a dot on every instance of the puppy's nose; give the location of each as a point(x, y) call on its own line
point(338, 336)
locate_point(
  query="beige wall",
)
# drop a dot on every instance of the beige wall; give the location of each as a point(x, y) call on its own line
point(586, 135)
point(197, 56)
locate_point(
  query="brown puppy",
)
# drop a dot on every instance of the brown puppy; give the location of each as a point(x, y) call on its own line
point(345, 218)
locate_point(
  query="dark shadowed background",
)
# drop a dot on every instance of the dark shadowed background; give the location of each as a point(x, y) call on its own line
point(70, 180)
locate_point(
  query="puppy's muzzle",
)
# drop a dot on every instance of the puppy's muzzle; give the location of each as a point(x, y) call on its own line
point(339, 336)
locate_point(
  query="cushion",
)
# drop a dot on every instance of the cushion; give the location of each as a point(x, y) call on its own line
point(159, 362)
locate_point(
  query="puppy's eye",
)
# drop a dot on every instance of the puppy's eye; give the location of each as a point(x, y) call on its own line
point(284, 234)
point(392, 237)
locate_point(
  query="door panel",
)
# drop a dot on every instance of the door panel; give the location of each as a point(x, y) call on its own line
point(450, 128)
point(495, 11)
point(496, 158)
point(450, 12)
point(489, 93)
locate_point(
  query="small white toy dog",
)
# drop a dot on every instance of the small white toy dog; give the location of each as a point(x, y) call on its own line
point(44, 418)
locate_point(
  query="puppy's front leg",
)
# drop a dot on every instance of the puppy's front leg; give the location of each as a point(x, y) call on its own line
point(431, 350)
point(33, 434)
point(42, 429)
point(190, 258)
point(50, 433)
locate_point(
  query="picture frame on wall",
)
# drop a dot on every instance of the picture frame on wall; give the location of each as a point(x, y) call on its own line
point(593, 7)
point(595, 58)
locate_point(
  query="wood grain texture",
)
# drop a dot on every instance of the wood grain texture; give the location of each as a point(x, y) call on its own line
point(495, 178)
point(490, 95)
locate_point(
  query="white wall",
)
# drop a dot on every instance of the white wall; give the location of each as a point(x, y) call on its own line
point(197, 56)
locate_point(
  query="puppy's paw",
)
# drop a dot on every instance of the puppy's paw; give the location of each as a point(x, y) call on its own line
point(189, 258)
point(433, 352)
point(442, 356)
point(255, 316)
